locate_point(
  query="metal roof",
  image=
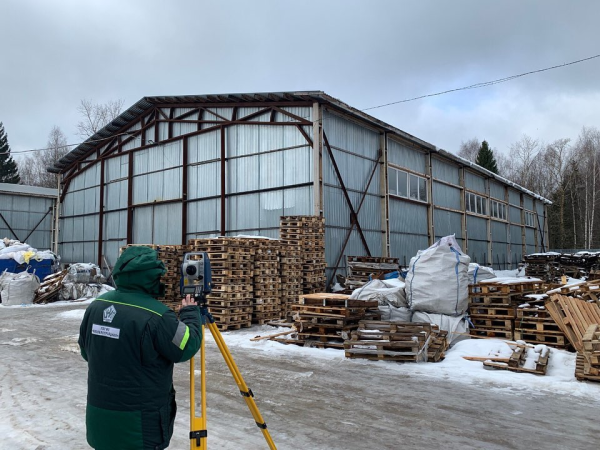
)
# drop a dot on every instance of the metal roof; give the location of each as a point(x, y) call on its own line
point(147, 103)
point(20, 189)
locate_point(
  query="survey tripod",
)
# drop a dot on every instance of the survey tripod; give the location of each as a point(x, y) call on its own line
point(198, 431)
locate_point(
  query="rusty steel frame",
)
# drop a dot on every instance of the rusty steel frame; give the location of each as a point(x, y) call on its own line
point(152, 118)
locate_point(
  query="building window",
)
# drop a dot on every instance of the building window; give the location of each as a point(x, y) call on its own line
point(475, 203)
point(407, 185)
point(498, 210)
point(529, 219)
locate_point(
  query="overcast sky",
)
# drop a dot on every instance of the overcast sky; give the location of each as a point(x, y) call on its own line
point(365, 53)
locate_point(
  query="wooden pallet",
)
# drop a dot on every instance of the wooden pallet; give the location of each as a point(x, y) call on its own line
point(517, 360)
point(573, 316)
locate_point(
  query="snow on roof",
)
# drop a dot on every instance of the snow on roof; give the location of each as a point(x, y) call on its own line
point(22, 189)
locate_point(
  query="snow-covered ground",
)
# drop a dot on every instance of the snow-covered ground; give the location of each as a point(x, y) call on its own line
point(311, 398)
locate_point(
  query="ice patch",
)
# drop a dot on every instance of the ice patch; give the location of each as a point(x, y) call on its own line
point(73, 314)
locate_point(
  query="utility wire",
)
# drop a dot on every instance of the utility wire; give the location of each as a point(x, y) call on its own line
point(484, 84)
point(472, 86)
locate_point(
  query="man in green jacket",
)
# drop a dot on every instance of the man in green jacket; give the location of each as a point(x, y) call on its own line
point(131, 342)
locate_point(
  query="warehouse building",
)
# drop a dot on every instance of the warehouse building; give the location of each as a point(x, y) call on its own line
point(28, 214)
point(173, 168)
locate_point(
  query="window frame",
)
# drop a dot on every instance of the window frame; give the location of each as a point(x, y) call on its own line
point(408, 191)
point(476, 204)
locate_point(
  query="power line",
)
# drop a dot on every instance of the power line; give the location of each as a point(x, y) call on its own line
point(483, 84)
point(472, 86)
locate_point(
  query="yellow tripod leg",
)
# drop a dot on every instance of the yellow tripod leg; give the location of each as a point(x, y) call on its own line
point(239, 380)
point(198, 424)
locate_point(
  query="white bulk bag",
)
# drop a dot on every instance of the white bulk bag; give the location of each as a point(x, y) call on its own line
point(19, 289)
point(437, 279)
point(386, 293)
point(456, 326)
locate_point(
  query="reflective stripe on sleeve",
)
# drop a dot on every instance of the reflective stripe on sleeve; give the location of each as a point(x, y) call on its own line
point(181, 335)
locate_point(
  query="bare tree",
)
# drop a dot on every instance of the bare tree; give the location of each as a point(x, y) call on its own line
point(469, 149)
point(522, 167)
point(95, 116)
point(33, 168)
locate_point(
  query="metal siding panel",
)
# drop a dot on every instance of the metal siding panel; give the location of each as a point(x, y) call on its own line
point(204, 216)
point(476, 228)
point(115, 225)
point(111, 249)
point(515, 235)
point(530, 237)
point(297, 166)
point(406, 157)
point(158, 186)
point(447, 223)
point(528, 202)
point(496, 190)
point(446, 196)
point(204, 147)
point(514, 197)
point(444, 171)
point(499, 232)
point(336, 209)
point(242, 140)
point(300, 111)
point(514, 214)
point(204, 180)
point(242, 212)
point(355, 171)
point(91, 198)
point(270, 170)
point(115, 195)
point(474, 182)
point(405, 246)
point(298, 201)
point(350, 136)
point(243, 174)
point(408, 217)
point(157, 224)
point(116, 168)
point(185, 128)
point(478, 251)
point(271, 209)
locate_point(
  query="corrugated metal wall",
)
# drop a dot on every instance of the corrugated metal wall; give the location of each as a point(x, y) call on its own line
point(23, 214)
point(355, 150)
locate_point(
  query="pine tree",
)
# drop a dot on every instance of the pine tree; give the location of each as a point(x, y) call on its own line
point(486, 159)
point(9, 173)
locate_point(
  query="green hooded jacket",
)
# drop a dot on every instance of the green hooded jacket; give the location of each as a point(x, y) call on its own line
point(131, 342)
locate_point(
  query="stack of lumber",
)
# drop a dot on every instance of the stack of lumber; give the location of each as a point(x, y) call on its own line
point(396, 341)
point(267, 281)
point(172, 257)
point(232, 263)
point(588, 360)
point(307, 233)
point(359, 269)
point(578, 265)
point(50, 288)
point(524, 358)
point(545, 266)
point(290, 269)
point(493, 304)
point(326, 320)
point(575, 318)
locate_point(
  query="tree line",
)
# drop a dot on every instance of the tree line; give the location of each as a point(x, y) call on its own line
point(565, 171)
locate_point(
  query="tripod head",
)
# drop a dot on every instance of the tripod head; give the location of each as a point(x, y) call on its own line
point(196, 278)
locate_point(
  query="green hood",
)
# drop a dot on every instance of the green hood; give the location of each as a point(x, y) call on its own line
point(139, 269)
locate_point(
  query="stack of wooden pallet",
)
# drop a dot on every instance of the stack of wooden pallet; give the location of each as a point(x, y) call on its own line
point(290, 269)
point(584, 290)
point(326, 320)
point(267, 281)
point(492, 305)
point(172, 257)
point(308, 234)
point(534, 324)
point(588, 360)
point(396, 341)
point(232, 262)
point(544, 266)
point(575, 318)
point(360, 268)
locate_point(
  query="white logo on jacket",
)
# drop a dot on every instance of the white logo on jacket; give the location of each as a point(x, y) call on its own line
point(109, 314)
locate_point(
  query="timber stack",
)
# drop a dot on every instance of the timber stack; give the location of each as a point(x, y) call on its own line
point(493, 306)
point(290, 266)
point(307, 233)
point(267, 281)
point(360, 269)
point(397, 341)
point(326, 320)
point(232, 265)
point(588, 360)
